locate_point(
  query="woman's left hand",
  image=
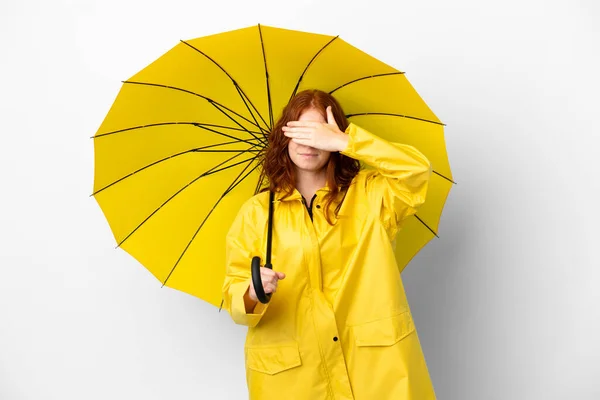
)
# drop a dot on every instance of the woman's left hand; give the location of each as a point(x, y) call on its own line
point(320, 135)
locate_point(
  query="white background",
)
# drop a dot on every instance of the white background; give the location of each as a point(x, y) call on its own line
point(506, 302)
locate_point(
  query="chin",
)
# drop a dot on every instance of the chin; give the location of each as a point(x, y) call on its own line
point(310, 167)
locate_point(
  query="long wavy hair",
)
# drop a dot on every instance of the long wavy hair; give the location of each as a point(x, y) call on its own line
point(277, 167)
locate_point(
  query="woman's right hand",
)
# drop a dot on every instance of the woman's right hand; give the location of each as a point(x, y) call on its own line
point(269, 280)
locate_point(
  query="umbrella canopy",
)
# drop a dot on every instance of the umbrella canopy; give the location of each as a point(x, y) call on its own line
point(178, 152)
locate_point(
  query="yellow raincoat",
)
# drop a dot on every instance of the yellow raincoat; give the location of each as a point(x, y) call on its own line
point(339, 325)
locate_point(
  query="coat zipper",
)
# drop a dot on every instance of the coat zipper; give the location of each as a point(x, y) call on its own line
point(309, 207)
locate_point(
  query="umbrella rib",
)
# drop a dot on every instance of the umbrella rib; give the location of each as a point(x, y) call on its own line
point(249, 141)
point(217, 106)
point(235, 184)
point(229, 189)
point(259, 184)
point(194, 150)
point(396, 115)
point(227, 127)
point(366, 77)
point(168, 123)
point(262, 44)
point(243, 96)
point(212, 102)
point(209, 172)
point(427, 226)
point(309, 64)
point(224, 151)
point(446, 178)
point(232, 80)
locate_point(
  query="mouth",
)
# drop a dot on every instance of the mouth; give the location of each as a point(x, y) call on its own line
point(307, 154)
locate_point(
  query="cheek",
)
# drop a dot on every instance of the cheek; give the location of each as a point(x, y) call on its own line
point(326, 158)
point(292, 149)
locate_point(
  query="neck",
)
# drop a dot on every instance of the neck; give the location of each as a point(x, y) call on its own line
point(308, 182)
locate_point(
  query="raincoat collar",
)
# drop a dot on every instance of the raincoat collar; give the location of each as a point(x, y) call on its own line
point(295, 195)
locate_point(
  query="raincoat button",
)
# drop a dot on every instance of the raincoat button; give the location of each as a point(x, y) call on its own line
point(335, 338)
point(318, 206)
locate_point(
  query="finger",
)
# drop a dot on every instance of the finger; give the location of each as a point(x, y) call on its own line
point(302, 136)
point(265, 270)
point(269, 280)
point(267, 273)
point(305, 142)
point(298, 135)
point(270, 276)
point(303, 123)
point(270, 288)
point(330, 117)
point(298, 129)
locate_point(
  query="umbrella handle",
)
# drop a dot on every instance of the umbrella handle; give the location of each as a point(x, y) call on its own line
point(257, 281)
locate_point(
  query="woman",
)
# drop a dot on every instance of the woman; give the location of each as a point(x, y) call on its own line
point(339, 325)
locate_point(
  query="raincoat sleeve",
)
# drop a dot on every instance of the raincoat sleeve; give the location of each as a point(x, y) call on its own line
point(242, 243)
point(397, 184)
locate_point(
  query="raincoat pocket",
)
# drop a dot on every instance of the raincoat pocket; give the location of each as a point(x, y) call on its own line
point(273, 359)
point(384, 332)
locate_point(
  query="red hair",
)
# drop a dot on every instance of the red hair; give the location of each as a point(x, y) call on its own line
point(276, 164)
